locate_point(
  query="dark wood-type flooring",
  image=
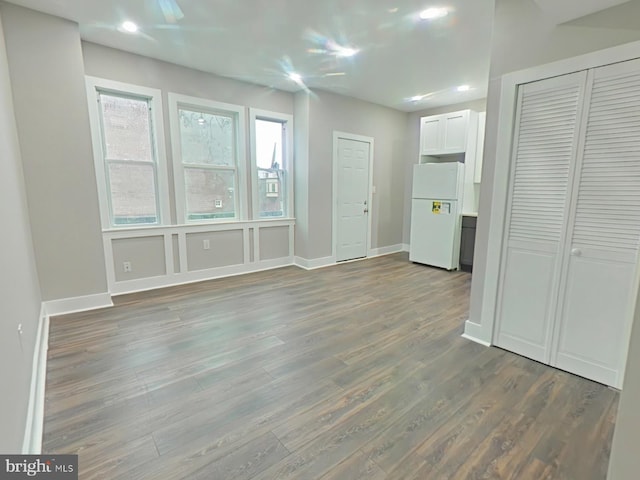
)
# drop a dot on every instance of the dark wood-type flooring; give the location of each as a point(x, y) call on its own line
point(356, 371)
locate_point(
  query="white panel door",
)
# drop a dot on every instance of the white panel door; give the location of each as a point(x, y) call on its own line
point(545, 146)
point(602, 251)
point(352, 197)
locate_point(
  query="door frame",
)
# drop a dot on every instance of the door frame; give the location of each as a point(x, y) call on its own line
point(334, 204)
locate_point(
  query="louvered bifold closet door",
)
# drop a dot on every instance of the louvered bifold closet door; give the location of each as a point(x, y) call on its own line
point(602, 249)
point(543, 158)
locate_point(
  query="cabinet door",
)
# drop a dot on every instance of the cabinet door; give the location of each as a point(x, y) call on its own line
point(431, 135)
point(602, 252)
point(477, 173)
point(544, 155)
point(456, 128)
point(467, 244)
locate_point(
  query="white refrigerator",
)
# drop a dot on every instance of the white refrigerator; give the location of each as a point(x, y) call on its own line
point(436, 214)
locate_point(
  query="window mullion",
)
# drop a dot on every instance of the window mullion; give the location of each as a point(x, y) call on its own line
point(200, 166)
point(130, 162)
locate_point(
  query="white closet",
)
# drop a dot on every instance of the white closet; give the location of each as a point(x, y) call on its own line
point(572, 235)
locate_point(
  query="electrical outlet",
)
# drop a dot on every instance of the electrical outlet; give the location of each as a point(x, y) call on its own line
point(126, 266)
point(205, 244)
point(20, 332)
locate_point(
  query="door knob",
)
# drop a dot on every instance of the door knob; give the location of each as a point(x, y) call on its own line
point(366, 210)
point(576, 252)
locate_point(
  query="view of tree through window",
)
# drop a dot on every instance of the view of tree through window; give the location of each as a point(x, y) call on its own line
point(129, 158)
point(270, 162)
point(207, 144)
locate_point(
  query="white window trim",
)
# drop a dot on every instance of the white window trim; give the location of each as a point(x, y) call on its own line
point(95, 84)
point(287, 120)
point(177, 100)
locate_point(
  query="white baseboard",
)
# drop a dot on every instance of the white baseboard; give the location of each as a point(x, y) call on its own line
point(378, 252)
point(473, 332)
point(32, 442)
point(144, 284)
point(64, 306)
point(476, 340)
point(313, 263)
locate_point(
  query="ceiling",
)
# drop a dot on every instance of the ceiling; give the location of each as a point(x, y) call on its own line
point(261, 41)
point(567, 10)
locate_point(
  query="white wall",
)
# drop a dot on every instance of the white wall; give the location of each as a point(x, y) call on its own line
point(149, 263)
point(624, 463)
point(301, 172)
point(45, 63)
point(19, 289)
point(328, 113)
point(112, 64)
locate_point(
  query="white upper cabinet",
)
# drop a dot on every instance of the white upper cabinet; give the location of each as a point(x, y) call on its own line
point(445, 134)
point(456, 131)
point(431, 130)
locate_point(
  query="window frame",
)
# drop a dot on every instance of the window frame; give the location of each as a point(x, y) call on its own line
point(237, 112)
point(287, 160)
point(95, 86)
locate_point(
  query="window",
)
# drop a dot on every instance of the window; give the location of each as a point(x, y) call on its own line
point(208, 140)
point(131, 181)
point(271, 144)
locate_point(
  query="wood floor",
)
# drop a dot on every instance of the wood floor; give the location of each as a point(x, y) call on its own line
point(356, 371)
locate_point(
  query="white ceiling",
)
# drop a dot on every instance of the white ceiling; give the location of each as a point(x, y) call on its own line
point(260, 41)
point(562, 11)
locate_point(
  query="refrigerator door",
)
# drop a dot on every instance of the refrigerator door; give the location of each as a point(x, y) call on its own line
point(435, 238)
point(437, 180)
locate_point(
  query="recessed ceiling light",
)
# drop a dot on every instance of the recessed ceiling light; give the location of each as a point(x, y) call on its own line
point(433, 13)
point(420, 98)
point(296, 77)
point(345, 51)
point(463, 88)
point(129, 27)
